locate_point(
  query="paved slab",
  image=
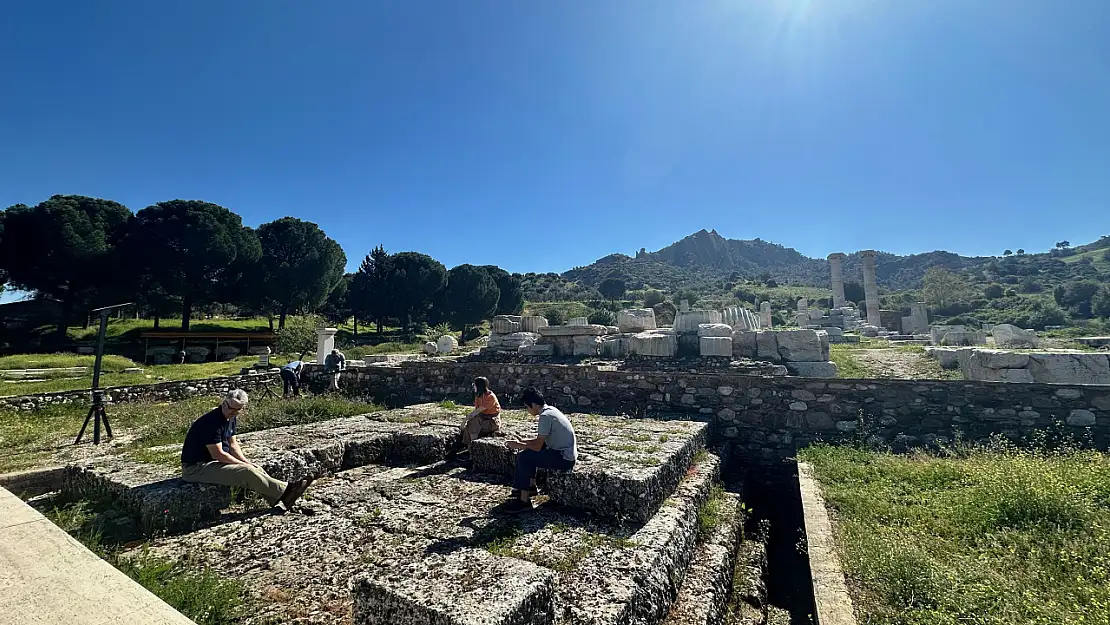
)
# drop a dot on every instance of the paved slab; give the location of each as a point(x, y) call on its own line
point(48, 578)
point(830, 592)
point(625, 469)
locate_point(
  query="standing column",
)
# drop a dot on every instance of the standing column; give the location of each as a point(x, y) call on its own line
point(870, 287)
point(836, 261)
point(325, 341)
point(765, 316)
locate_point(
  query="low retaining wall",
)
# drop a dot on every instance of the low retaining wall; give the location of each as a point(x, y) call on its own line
point(771, 417)
point(162, 391)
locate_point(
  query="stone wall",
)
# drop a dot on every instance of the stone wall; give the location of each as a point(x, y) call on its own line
point(767, 418)
point(162, 391)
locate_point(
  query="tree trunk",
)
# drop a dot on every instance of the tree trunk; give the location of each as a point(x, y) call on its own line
point(63, 322)
point(271, 320)
point(379, 321)
point(156, 320)
point(186, 312)
point(281, 319)
point(462, 335)
point(356, 329)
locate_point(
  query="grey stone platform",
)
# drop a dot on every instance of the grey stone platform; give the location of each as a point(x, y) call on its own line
point(703, 599)
point(625, 469)
point(165, 503)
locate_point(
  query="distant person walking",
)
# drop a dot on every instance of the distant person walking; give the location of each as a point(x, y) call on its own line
point(334, 366)
point(211, 455)
point(291, 378)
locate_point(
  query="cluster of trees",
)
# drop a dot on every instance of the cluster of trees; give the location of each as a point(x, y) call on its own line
point(178, 256)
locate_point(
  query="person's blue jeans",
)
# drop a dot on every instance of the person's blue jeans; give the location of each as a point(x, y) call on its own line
point(528, 461)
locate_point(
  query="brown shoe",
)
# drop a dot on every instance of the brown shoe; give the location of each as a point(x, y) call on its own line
point(292, 492)
point(297, 492)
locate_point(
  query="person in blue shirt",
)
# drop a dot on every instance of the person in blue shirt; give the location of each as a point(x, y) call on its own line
point(291, 378)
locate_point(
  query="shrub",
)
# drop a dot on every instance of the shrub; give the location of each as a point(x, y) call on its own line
point(602, 317)
point(653, 297)
point(993, 291)
point(555, 316)
point(664, 313)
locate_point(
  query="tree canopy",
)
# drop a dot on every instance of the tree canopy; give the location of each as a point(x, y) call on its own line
point(942, 287)
point(62, 248)
point(413, 283)
point(194, 249)
point(511, 301)
point(612, 288)
point(368, 298)
point(471, 295)
point(300, 265)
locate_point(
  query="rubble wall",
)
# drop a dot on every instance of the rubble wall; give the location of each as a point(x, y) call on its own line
point(162, 391)
point(767, 418)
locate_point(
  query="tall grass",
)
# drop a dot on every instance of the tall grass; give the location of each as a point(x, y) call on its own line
point(993, 536)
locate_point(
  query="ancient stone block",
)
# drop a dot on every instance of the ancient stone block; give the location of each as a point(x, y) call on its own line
point(716, 345)
point(502, 324)
point(1079, 368)
point(767, 346)
point(578, 321)
point(454, 589)
point(800, 346)
point(1007, 335)
point(586, 345)
point(657, 344)
point(636, 320)
point(744, 343)
point(584, 329)
point(430, 348)
point(537, 350)
point(615, 346)
point(446, 344)
point(812, 369)
point(688, 321)
point(532, 323)
point(714, 329)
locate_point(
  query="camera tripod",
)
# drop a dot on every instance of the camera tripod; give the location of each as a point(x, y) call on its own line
point(96, 411)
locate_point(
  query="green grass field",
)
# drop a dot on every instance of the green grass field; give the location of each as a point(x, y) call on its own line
point(986, 536)
point(48, 361)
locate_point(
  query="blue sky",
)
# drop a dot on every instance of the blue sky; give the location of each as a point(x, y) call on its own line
point(543, 135)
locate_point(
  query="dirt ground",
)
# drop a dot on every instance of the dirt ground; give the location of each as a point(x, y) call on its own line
point(897, 363)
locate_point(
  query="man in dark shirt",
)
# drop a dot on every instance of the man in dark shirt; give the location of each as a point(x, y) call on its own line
point(211, 455)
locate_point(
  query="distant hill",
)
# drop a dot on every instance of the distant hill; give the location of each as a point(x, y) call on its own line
point(706, 256)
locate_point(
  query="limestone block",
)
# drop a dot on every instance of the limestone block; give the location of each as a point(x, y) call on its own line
point(502, 324)
point(998, 359)
point(430, 348)
point(744, 343)
point(812, 369)
point(656, 344)
point(799, 346)
point(714, 329)
point(571, 330)
point(586, 345)
point(532, 323)
point(964, 338)
point(937, 332)
point(767, 346)
point(716, 345)
point(833, 331)
point(446, 344)
point(537, 350)
point(197, 353)
point(688, 321)
point(1006, 335)
point(636, 320)
point(948, 358)
point(869, 330)
point(1082, 368)
point(512, 342)
point(615, 346)
point(578, 321)
point(227, 352)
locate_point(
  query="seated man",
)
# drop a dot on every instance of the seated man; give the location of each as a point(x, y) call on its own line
point(211, 455)
point(291, 378)
point(334, 364)
point(484, 420)
point(554, 447)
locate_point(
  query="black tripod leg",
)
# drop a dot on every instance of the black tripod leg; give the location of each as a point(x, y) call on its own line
point(96, 426)
point(107, 425)
point(85, 425)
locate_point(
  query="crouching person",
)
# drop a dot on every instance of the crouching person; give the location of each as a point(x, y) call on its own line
point(554, 447)
point(211, 455)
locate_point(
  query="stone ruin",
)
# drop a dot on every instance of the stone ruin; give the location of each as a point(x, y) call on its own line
point(706, 336)
point(393, 535)
point(994, 365)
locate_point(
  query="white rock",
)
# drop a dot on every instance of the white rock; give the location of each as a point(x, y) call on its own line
point(1006, 335)
point(532, 323)
point(715, 329)
point(1081, 368)
point(800, 346)
point(430, 348)
point(716, 345)
point(446, 344)
point(615, 346)
point(963, 338)
point(833, 331)
point(578, 321)
point(998, 359)
point(569, 330)
point(512, 342)
point(1081, 418)
point(657, 344)
point(812, 369)
point(636, 319)
point(688, 321)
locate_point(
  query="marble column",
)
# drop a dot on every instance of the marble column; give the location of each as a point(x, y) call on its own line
point(765, 316)
point(325, 342)
point(870, 287)
point(836, 261)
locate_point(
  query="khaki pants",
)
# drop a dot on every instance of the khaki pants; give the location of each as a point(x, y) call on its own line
point(235, 475)
point(478, 427)
point(335, 381)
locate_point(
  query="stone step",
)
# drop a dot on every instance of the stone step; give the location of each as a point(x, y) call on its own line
point(703, 599)
point(749, 590)
point(166, 504)
point(637, 585)
point(625, 468)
